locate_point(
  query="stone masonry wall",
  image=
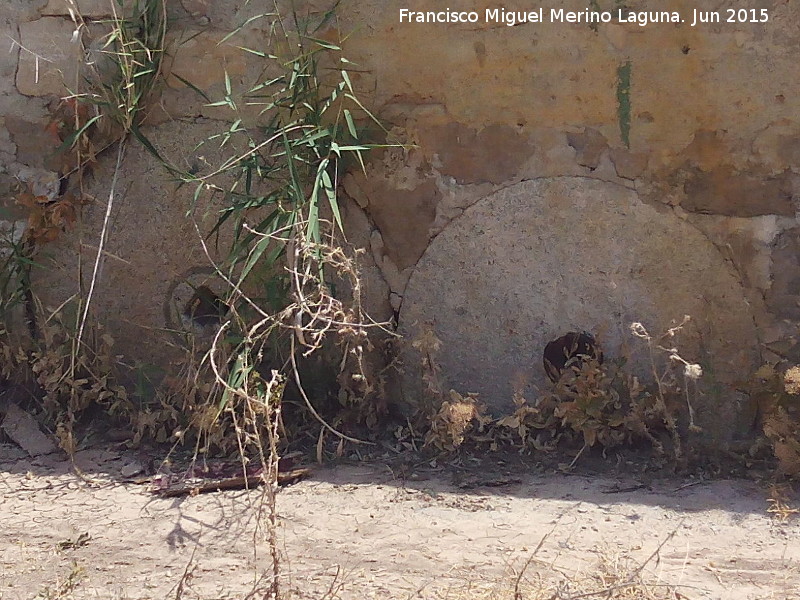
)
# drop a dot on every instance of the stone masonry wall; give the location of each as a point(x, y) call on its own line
point(713, 149)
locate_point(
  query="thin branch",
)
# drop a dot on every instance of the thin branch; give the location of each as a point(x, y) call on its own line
point(103, 237)
point(311, 408)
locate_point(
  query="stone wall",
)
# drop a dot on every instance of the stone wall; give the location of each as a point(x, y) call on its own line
point(694, 213)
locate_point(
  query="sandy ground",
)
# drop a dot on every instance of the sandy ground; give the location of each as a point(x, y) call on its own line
point(357, 531)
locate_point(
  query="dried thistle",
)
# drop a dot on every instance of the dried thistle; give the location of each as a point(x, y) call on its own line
point(455, 420)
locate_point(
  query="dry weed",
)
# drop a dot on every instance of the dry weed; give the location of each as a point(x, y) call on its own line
point(457, 418)
point(614, 576)
point(781, 504)
point(63, 589)
point(775, 396)
point(603, 404)
point(62, 384)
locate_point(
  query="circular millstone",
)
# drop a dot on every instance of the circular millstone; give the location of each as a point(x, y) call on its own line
point(541, 258)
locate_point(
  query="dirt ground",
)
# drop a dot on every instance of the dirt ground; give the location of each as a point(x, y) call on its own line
point(356, 531)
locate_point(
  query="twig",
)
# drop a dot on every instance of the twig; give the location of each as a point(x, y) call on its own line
point(658, 549)
point(630, 488)
point(517, 592)
point(230, 483)
point(36, 57)
point(102, 243)
point(687, 485)
point(310, 406)
point(577, 456)
point(187, 575)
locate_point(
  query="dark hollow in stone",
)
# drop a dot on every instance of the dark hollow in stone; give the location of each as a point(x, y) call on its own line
point(205, 308)
point(571, 349)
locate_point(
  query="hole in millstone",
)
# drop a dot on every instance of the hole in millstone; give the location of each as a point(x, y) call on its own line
point(204, 309)
point(570, 350)
point(193, 305)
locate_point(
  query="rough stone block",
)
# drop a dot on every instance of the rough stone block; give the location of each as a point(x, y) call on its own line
point(12, 103)
point(203, 61)
point(535, 260)
point(19, 11)
point(494, 154)
point(783, 297)
point(404, 217)
point(589, 146)
point(196, 8)
point(35, 146)
point(628, 165)
point(23, 429)
point(724, 191)
point(50, 57)
point(86, 8)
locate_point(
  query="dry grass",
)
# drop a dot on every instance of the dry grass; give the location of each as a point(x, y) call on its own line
point(613, 576)
point(782, 503)
point(62, 589)
point(593, 404)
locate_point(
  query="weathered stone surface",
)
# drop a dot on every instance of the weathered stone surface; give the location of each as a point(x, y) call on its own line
point(783, 298)
point(708, 150)
point(151, 245)
point(724, 191)
point(35, 147)
point(375, 291)
point(401, 197)
point(197, 8)
point(394, 277)
point(40, 182)
point(788, 149)
point(481, 107)
point(493, 154)
point(562, 76)
point(86, 8)
point(351, 186)
point(589, 145)
point(225, 16)
point(7, 147)
point(778, 146)
point(544, 257)
point(49, 60)
point(552, 155)
point(627, 164)
point(404, 218)
point(203, 61)
point(747, 242)
point(17, 11)
point(23, 429)
point(12, 103)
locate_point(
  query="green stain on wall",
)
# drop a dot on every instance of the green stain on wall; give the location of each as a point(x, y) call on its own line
point(624, 102)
